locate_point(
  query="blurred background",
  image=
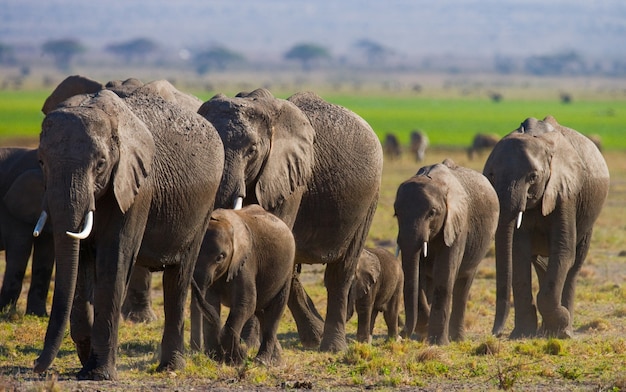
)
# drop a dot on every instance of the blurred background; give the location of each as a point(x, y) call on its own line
point(289, 45)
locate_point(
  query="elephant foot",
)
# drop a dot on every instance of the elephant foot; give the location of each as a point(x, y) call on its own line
point(145, 315)
point(102, 373)
point(333, 345)
point(176, 362)
point(566, 333)
point(236, 356)
point(36, 310)
point(83, 349)
point(270, 358)
point(523, 333)
point(309, 322)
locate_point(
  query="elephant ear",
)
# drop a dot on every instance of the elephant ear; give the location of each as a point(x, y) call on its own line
point(69, 87)
point(565, 171)
point(136, 149)
point(24, 196)
point(242, 240)
point(367, 273)
point(457, 201)
point(290, 160)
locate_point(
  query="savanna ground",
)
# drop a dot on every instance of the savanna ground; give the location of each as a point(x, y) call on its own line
point(595, 360)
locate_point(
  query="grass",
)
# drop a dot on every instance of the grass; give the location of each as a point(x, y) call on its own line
point(447, 121)
point(594, 360)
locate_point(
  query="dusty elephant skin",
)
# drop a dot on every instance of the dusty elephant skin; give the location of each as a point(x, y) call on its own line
point(377, 287)
point(137, 305)
point(115, 165)
point(318, 167)
point(21, 189)
point(552, 183)
point(447, 216)
point(246, 263)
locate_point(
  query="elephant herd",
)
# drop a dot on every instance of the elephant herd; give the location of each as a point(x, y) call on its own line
point(231, 195)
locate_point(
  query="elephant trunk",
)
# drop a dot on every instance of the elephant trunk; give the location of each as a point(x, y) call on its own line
point(207, 309)
point(410, 266)
point(66, 253)
point(504, 265)
point(232, 189)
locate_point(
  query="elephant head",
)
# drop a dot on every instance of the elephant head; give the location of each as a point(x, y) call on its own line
point(226, 247)
point(367, 273)
point(531, 168)
point(431, 208)
point(91, 146)
point(268, 146)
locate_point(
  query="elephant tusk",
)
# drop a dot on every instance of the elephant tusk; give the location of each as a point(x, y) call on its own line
point(238, 203)
point(397, 251)
point(41, 222)
point(86, 228)
point(425, 249)
point(519, 220)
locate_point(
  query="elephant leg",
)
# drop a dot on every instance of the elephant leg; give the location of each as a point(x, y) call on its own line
point(176, 281)
point(81, 317)
point(444, 274)
point(337, 279)
point(391, 315)
point(211, 333)
point(308, 321)
point(365, 313)
point(423, 307)
point(569, 289)
point(231, 350)
point(17, 255)
point(561, 268)
point(42, 266)
point(196, 325)
point(459, 304)
point(270, 351)
point(525, 310)
point(137, 305)
point(251, 332)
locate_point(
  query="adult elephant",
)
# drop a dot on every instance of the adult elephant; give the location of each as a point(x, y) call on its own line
point(21, 190)
point(558, 181)
point(447, 217)
point(137, 304)
point(318, 167)
point(146, 184)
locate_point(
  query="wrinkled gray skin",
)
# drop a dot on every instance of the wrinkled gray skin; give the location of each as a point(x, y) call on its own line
point(121, 159)
point(377, 287)
point(418, 144)
point(246, 263)
point(447, 216)
point(318, 167)
point(21, 189)
point(482, 142)
point(137, 305)
point(556, 181)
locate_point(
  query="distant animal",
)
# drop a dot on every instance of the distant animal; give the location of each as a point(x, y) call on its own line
point(246, 262)
point(377, 287)
point(391, 146)
point(419, 144)
point(482, 142)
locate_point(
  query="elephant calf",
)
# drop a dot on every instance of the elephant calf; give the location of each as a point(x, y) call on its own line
point(246, 263)
point(377, 287)
point(447, 217)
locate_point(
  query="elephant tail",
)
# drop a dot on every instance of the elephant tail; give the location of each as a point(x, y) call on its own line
point(208, 311)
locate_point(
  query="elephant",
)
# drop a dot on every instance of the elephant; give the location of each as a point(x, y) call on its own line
point(21, 188)
point(418, 144)
point(447, 217)
point(137, 306)
point(557, 180)
point(318, 167)
point(392, 146)
point(135, 180)
point(482, 142)
point(377, 287)
point(246, 262)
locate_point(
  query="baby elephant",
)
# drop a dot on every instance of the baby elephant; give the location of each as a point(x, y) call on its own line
point(377, 287)
point(245, 263)
point(447, 217)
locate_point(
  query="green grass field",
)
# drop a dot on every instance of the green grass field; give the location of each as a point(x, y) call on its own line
point(447, 121)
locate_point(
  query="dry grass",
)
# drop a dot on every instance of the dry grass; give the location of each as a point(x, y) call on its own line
point(594, 360)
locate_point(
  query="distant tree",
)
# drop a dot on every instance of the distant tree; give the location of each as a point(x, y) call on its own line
point(7, 55)
point(216, 58)
point(556, 64)
point(63, 51)
point(375, 53)
point(137, 48)
point(307, 54)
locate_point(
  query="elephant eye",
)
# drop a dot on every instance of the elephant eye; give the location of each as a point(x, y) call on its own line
point(100, 165)
point(220, 258)
point(432, 212)
point(532, 178)
point(252, 150)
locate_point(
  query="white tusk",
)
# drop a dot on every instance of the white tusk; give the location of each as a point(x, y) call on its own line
point(519, 220)
point(238, 203)
point(40, 223)
point(86, 228)
point(425, 249)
